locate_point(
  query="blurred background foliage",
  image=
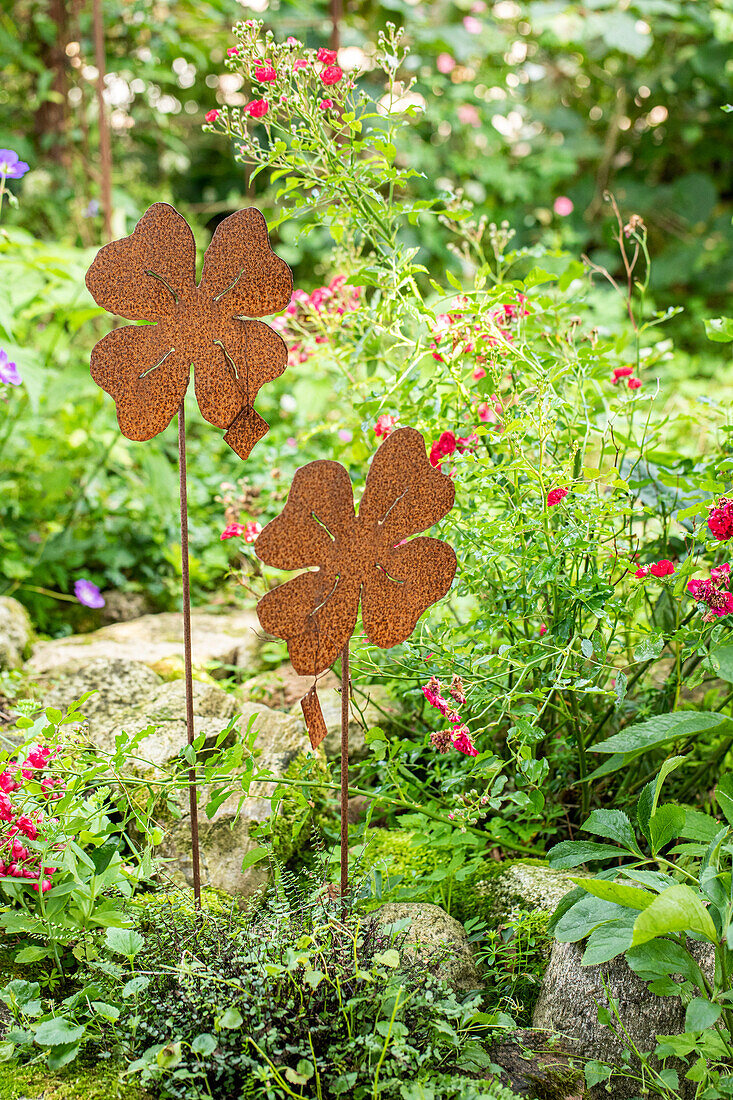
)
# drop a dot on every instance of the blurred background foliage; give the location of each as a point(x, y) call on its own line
point(521, 103)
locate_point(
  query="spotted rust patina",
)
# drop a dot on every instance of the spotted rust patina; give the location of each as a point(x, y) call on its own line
point(369, 557)
point(151, 276)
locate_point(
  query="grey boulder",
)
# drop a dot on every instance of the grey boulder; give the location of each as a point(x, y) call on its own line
point(517, 885)
point(227, 637)
point(16, 633)
point(433, 935)
point(568, 1003)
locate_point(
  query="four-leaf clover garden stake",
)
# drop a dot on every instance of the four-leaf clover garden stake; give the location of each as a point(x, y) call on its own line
point(368, 557)
point(151, 276)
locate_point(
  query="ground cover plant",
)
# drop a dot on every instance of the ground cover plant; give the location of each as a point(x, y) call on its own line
point(582, 662)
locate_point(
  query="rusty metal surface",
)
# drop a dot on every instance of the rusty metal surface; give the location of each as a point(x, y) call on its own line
point(151, 276)
point(357, 557)
point(314, 720)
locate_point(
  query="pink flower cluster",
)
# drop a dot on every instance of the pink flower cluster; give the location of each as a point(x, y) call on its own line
point(448, 443)
point(720, 519)
point(308, 317)
point(458, 737)
point(468, 337)
point(715, 593)
point(17, 859)
point(620, 373)
point(271, 71)
point(663, 568)
point(248, 532)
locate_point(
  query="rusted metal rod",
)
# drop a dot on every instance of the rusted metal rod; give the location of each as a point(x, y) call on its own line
point(105, 145)
point(188, 664)
point(345, 693)
point(336, 11)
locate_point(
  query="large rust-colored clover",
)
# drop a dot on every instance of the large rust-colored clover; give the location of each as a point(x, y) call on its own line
point(151, 276)
point(364, 556)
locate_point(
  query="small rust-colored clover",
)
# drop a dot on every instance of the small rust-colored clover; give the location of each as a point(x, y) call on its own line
point(368, 556)
point(151, 276)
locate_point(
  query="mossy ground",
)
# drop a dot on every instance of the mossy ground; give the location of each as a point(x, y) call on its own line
point(100, 1082)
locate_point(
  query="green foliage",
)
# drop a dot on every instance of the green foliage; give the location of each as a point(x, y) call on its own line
point(671, 892)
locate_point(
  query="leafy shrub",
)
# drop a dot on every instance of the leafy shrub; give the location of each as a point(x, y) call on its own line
point(292, 999)
point(653, 907)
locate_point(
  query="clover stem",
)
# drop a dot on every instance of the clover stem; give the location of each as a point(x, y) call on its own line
point(186, 587)
point(345, 694)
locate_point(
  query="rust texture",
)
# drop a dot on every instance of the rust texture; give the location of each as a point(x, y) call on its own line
point(369, 557)
point(314, 720)
point(151, 276)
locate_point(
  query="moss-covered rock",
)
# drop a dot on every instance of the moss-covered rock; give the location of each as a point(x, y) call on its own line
point(493, 891)
point(522, 884)
point(98, 1082)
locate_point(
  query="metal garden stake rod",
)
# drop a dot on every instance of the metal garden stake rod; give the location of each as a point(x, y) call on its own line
point(345, 693)
point(369, 559)
point(151, 276)
point(187, 659)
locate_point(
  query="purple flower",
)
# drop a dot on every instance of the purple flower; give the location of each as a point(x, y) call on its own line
point(10, 166)
point(8, 371)
point(88, 593)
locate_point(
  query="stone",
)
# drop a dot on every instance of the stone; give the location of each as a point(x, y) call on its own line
point(523, 885)
point(568, 1000)
point(16, 633)
point(121, 606)
point(536, 1066)
point(229, 637)
point(129, 696)
point(225, 838)
point(434, 934)
point(283, 688)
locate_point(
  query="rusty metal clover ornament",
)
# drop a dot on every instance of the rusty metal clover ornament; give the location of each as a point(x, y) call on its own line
point(369, 557)
point(151, 276)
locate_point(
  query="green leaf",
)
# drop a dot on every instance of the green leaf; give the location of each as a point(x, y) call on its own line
point(607, 941)
point(662, 728)
point(719, 329)
point(596, 1072)
point(721, 662)
point(61, 1055)
point(615, 825)
point(58, 1032)
point(585, 915)
point(313, 978)
point(256, 855)
point(231, 1019)
point(204, 1044)
point(571, 853)
point(678, 909)
point(389, 958)
point(658, 957)
point(7, 1050)
point(631, 897)
point(32, 954)
point(169, 1056)
point(701, 1014)
point(666, 825)
point(124, 941)
point(724, 796)
point(135, 985)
